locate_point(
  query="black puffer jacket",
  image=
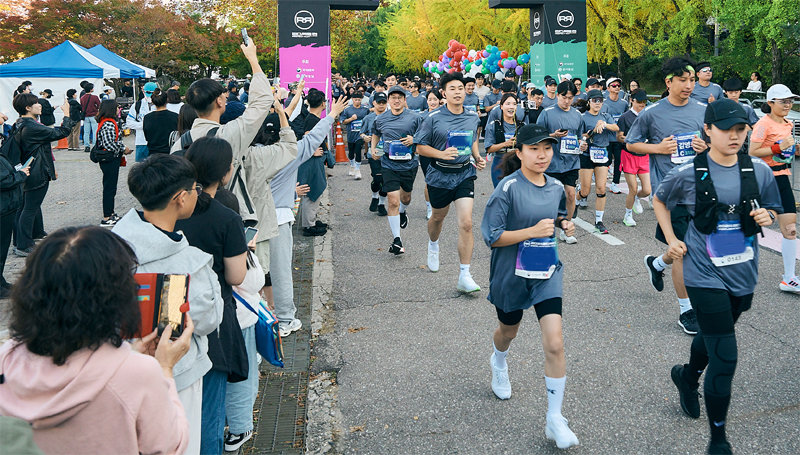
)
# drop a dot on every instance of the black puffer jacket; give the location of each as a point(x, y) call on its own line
point(35, 140)
point(47, 117)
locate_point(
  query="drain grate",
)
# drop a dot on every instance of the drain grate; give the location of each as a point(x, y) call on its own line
point(280, 409)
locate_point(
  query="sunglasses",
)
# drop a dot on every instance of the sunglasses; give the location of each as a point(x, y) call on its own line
point(596, 100)
point(705, 70)
point(615, 85)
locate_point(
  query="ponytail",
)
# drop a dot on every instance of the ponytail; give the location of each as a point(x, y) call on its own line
point(511, 163)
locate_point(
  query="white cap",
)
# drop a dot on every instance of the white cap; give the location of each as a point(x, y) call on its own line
point(106, 87)
point(779, 92)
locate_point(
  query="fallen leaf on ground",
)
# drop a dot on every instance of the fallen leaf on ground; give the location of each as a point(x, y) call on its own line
point(357, 428)
point(61, 203)
point(356, 329)
point(416, 417)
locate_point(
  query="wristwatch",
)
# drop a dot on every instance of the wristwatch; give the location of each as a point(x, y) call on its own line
point(771, 216)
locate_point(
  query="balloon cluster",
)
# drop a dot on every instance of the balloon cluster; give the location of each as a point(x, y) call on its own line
point(491, 60)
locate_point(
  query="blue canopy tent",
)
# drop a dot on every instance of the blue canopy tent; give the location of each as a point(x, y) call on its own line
point(127, 69)
point(59, 69)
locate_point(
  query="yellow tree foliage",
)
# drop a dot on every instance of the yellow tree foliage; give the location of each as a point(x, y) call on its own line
point(612, 29)
point(421, 29)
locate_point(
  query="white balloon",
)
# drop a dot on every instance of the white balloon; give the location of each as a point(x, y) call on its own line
point(498, 75)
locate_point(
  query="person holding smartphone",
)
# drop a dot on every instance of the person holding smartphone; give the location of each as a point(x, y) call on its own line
point(501, 134)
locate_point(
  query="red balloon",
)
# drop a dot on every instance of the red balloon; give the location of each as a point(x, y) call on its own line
point(504, 54)
point(451, 70)
point(457, 56)
point(451, 42)
point(449, 53)
point(441, 57)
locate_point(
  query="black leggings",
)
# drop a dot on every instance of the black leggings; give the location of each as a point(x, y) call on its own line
point(543, 308)
point(376, 170)
point(714, 347)
point(110, 177)
point(7, 222)
point(615, 149)
point(29, 223)
point(354, 150)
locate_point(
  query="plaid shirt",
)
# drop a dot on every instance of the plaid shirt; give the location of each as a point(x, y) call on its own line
point(108, 139)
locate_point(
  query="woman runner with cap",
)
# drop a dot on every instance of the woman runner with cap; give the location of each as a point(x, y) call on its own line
point(519, 225)
point(729, 196)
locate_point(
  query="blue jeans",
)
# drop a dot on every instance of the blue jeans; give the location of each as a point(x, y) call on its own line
point(142, 152)
point(89, 129)
point(241, 396)
point(213, 414)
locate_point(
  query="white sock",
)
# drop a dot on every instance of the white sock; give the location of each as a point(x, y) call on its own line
point(358, 165)
point(403, 208)
point(598, 216)
point(628, 212)
point(499, 357)
point(685, 305)
point(789, 253)
point(394, 225)
point(352, 163)
point(382, 200)
point(433, 246)
point(375, 195)
point(464, 269)
point(555, 394)
point(659, 264)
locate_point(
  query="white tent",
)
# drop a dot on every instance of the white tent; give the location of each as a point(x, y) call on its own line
point(59, 69)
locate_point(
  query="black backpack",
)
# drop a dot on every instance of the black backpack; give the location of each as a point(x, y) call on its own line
point(186, 140)
point(11, 148)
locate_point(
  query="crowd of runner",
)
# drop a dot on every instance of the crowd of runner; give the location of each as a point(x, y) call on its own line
point(713, 173)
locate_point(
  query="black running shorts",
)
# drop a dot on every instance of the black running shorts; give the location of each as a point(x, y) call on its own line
point(395, 180)
point(441, 198)
point(549, 306)
point(569, 178)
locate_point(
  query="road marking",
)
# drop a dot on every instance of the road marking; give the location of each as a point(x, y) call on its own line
point(608, 238)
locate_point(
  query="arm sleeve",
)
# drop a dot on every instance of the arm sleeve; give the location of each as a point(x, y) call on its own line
point(671, 191)
point(38, 134)
point(309, 143)
point(494, 216)
point(9, 180)
point(270, 159)
point(638, 130)
point(161, 424)
point(241, 132)
point(235, 242)
point(759, 132)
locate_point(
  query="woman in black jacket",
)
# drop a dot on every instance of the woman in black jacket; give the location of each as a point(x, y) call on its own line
point(10, 201)
point(34, 139)
point(46, 117)
point(108, 139)
point(75, 112)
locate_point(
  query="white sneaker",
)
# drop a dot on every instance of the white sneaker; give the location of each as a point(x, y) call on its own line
point(358, 174)
point(614, 188)
point(792, 285)
point(637, 206)
point(286, 328)
point(557, 430)
point(501, 386)
point(428, 213)
point(433, 260)
point(467, 284)
point(570, 239)
point(629, 221)
point(352, 171)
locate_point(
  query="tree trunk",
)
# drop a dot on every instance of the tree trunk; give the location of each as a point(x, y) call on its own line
point(777, 63)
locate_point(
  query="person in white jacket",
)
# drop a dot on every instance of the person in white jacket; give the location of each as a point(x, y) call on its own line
point(166, 187)
point(135, 120)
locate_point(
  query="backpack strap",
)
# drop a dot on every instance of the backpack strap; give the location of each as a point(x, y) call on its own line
point(244, 302)
point(186, 138)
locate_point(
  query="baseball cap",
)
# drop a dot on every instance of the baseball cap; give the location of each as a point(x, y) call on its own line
point(702, 65)
point(397, 89)
point(496, 84)
point(508, 87)
point(639, 95)
point(550, 81)
point(106, 87)
point(724, 114)
point(233, 110)
point(732, 85)
point(594, 93)
point(379, 97)
point(591, 81)
point(48, 91)
point(779, 92)
point(150, 87)
point(533, 134)
point(611, 80)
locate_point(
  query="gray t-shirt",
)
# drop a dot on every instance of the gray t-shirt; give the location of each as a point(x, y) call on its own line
point(491, 98)
point(679, 188)
point(472, 102)
point(664, 119)
point(701, 93)
point(616, 109)
point(590, 121)
point(509, 130)
point(566, 152)
point(418, 103)
point(752, 117)
point(547, 102)
point(390, 127)
point(354, 128)
point(515, 204)
point(440, 129)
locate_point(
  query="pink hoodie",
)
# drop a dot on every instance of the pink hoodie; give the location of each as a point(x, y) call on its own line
point(112, 400)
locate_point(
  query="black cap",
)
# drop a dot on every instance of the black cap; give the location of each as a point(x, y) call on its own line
point(48, 91)
point(732, 85)
point(397, 89)
point(379, 97)
point(639, 95)
point(702, 65)
point(550, 81)
point(724, 114)
point(533, 134)
point(594, 93)
point(591, 81)
point(508, 87)
point(496, 84)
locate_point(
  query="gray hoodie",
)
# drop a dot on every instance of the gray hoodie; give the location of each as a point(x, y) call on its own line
point(157, 253)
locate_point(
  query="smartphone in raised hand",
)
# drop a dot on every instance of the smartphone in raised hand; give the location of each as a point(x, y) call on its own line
point(245, 37)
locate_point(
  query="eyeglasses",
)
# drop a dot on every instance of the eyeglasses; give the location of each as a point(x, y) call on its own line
point(198, 187)
point(596, 100)
point(786, 102)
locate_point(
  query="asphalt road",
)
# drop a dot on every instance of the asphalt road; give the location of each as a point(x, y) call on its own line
point(412, 355)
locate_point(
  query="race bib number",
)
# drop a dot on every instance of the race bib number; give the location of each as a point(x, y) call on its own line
point(471, 108)
point(598, 154)
point(685, 151)
point(379, 149)
point(461, 140)
point(397, 151)
point(728, 245)
point(616, 117)
point(507, 137)
point(355, 125)
point(570, 145)
point(537, 258)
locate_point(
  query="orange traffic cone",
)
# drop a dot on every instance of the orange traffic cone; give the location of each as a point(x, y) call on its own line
point(62, 144)
point(341, 153)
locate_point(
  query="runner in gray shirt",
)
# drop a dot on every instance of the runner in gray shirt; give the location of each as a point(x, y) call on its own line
point(616, 105)
point(669, 131)
point(449, 136)
point(705, 91)
point(416, 101)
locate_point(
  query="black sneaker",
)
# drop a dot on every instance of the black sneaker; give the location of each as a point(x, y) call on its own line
point(321, 225)
point(234, 441)
point(656, 277)
point(719, 448)
point(373, 206)
point(108, 223)
point(690, 399)
point(397, 247)
point(381, 210)
point(688, 322)
point(23, 252)
point(601, 228)
point(313, 231)
point(403, 220)
point(86, 149)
